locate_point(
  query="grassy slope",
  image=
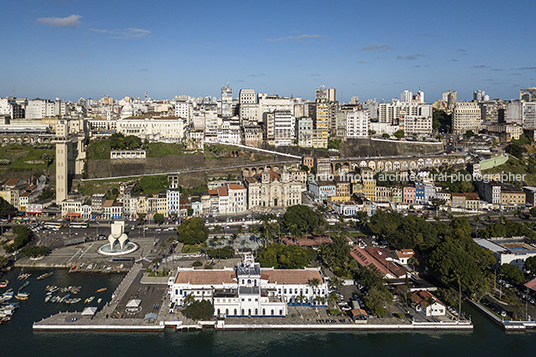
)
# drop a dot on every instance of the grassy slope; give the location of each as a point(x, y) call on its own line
point(19, 154)
point(514, 166)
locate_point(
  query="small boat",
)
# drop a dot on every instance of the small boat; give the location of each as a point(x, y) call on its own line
point(22, 296)
point(26, 283)
point(101, 290)
point(24, 276)
point(74, 300)
point(99, 300)
point(47, 298)
point(4, 284)
point(46, 275)
point(72, 269)
point(89, 299)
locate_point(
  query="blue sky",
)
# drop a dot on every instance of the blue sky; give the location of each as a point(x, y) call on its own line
point(371, 49)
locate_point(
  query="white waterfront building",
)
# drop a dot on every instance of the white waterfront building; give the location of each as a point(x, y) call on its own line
point(249, 290)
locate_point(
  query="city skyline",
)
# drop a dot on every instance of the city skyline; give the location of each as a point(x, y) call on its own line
point(71, 49)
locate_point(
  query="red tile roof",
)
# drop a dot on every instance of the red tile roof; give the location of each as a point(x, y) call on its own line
point(206, 277)
point(234, 186)
point(284, 276)
point(421, 298)
point(222, 191)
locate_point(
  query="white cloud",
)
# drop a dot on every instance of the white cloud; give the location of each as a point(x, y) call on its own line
point(293, 38)
point(69, 21)
point(376, 47)
point(124, 34)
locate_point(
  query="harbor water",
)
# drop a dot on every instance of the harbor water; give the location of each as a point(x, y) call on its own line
point(18, 339)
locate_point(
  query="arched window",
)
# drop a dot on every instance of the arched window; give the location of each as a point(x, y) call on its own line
point(272, 313)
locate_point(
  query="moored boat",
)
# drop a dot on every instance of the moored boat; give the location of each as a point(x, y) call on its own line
point(22, 296)
point(4, 284)
point(99, 300)
point(47, 298)
point(26, 283)
point(101, 290)
point(46, 275)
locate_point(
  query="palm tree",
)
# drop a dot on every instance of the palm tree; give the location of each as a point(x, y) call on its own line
point(189, 299)
point(476, 219)
point(335, 283)
point(300, 298)
point(314, 283)
point(333, 298)
point(319, 299)
point(413, 261)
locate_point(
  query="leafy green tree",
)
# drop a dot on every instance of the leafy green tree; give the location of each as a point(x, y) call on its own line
point(221, 253)
point(35, 250)
point(385, 135)
point(3, 261)
point(192, 231)
point(279, 255)
point(530, 264)
point(47, 158)
point(5, 207)
point(158, 218)
point(199, 310)
point(512, 273)
point(469, 133)
point(461, 258)
point(336, 254)
point(376, 299)
point(399, 134)
point(532, 211)
point(303, 219)
point(516, 150)
point(189, 299)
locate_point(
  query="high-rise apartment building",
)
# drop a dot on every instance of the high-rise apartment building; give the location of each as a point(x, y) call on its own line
point(284, 128)
point(322, 117)
point(226, 101)
point(450, 97)
point(528, 95)
point(466, 116)
point(357, 123)
point(406, 96)
point(249, 109)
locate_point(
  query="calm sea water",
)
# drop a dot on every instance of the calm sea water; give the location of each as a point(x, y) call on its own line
point(18, 339)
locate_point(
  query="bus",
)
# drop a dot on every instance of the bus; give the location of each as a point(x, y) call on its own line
point(52, 224)
point(78, 225)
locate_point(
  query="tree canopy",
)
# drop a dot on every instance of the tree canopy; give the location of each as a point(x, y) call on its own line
point(508, 229)
point(35, 250)
point(408, 232)
point(300, 220)
point(5, 207)
point(192, 231)
point(337, 255)
point(221, 253)
point(278, 255)
point(512, 273)
point(158, 218)
point(120, 142)
point(199, 310)
point(516, 150)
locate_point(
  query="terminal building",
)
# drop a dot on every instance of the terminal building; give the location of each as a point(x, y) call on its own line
point(249, 290)
point(513, 250)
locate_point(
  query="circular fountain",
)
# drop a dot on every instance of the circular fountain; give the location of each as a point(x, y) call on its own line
point(118, 242)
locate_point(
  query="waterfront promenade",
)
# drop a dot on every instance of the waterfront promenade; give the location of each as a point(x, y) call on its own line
point(154, 290)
